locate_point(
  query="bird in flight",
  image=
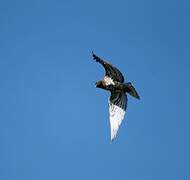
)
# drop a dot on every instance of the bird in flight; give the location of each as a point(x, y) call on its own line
point(113, 81)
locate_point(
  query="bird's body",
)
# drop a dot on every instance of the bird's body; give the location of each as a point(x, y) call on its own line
point(113, 81)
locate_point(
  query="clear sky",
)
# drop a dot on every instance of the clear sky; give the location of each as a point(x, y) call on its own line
point(54, 122)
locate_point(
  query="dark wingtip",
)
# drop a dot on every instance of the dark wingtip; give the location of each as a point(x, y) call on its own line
point(137, 96)
point(94, 56)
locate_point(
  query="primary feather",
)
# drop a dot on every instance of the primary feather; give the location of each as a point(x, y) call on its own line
point(111, 71)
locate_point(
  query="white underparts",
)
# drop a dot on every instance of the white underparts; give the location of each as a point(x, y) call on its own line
point(116, 116)
point(108, 81)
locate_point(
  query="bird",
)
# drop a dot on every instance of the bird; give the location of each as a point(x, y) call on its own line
point(113, 81)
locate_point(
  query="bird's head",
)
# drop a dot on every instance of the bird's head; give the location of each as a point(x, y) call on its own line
point(99, 84)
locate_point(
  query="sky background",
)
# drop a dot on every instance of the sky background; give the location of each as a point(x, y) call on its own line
point(54, 122)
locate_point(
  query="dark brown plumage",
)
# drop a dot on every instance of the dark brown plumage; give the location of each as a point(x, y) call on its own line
point(113, 81)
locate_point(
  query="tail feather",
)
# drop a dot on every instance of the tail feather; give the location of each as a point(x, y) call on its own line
point(117, 108)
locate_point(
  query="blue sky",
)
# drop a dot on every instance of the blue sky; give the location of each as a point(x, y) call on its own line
point(54, 122)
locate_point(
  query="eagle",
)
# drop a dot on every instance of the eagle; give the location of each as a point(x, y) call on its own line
point(113, 81)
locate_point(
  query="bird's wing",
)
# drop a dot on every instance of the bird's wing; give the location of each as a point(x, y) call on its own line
point(117, 108)
point(111, 71)
point(129, 88)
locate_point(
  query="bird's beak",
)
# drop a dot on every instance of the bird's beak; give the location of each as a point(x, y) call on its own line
point(98, 84)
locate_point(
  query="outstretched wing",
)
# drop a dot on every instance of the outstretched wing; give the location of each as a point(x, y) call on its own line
point(129, 88)
point(111, 71)
point(117, 108)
